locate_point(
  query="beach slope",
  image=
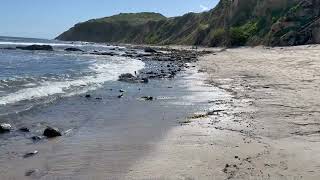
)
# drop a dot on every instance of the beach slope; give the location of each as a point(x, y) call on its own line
point(268, 128)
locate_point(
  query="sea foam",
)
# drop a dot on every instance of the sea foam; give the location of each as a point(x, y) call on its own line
point(104, 70)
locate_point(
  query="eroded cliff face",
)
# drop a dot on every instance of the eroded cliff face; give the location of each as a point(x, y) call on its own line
point(300, 25)
point(278, 22)
point(231, 23)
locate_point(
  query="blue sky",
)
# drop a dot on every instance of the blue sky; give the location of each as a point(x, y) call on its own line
point(48, 18)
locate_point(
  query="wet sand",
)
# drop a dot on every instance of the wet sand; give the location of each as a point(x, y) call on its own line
point(269, 126)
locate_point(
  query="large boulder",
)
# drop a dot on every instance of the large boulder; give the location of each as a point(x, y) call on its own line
point(50, 132)
point(36, 47)
point(5, 128)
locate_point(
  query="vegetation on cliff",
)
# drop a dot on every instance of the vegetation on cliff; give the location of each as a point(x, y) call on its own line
point(230, 23)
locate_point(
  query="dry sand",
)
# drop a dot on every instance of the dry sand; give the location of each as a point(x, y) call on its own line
point(269, 129)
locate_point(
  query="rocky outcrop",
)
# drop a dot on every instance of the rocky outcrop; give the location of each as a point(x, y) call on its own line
point(36, 47)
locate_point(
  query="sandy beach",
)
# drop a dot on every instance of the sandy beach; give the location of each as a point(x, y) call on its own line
point(265, 126)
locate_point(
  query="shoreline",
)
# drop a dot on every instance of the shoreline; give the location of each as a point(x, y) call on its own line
point(105, 136)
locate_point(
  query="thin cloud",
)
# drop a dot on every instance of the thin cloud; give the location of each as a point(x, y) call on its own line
point(204, 8)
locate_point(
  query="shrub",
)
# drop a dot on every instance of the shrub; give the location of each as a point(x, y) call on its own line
point(217, 37)
point(240, 35)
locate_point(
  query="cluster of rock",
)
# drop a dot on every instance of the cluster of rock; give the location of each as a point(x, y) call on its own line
point(132, 79)
point(49, 132)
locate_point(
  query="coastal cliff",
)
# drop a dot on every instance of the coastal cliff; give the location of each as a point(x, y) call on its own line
point(230, 23)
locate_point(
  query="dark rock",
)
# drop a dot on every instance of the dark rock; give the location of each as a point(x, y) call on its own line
point(149, 50)
point(147, 98)
point(4, 128)
point(144, 80)
point(24, 129)
point(27, 155)
point(36, 138)
point(36, 47)
point(104, 53)
point(88, 96)
point(128, 78)
point(73, 49)
point(31, 172)
point(120, 96)
point(171, 76)
point(9, 48)
point(50, 132)
point(214, 112)
point(121, 90)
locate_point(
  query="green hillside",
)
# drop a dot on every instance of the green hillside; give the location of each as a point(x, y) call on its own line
point(230, 23)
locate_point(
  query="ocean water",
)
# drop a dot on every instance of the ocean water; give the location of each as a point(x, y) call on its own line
point(29, 78)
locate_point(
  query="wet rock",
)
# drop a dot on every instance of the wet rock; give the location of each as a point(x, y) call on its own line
point(214, 112)
point(147, 98)
point(149, 50)
point(145, 80)
point(36, 138)
point(225, 169)
point(88, 96)
point(129, 78)
point(104, 53)
point(31, 172)
point(126, 77)
point(24, 129)
point(4, 128)
point(120, 95)
point(121, 90)
point(165, 59)
point(50, 132)
point(36, 47)
point(73, 49)
point(30, 154)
